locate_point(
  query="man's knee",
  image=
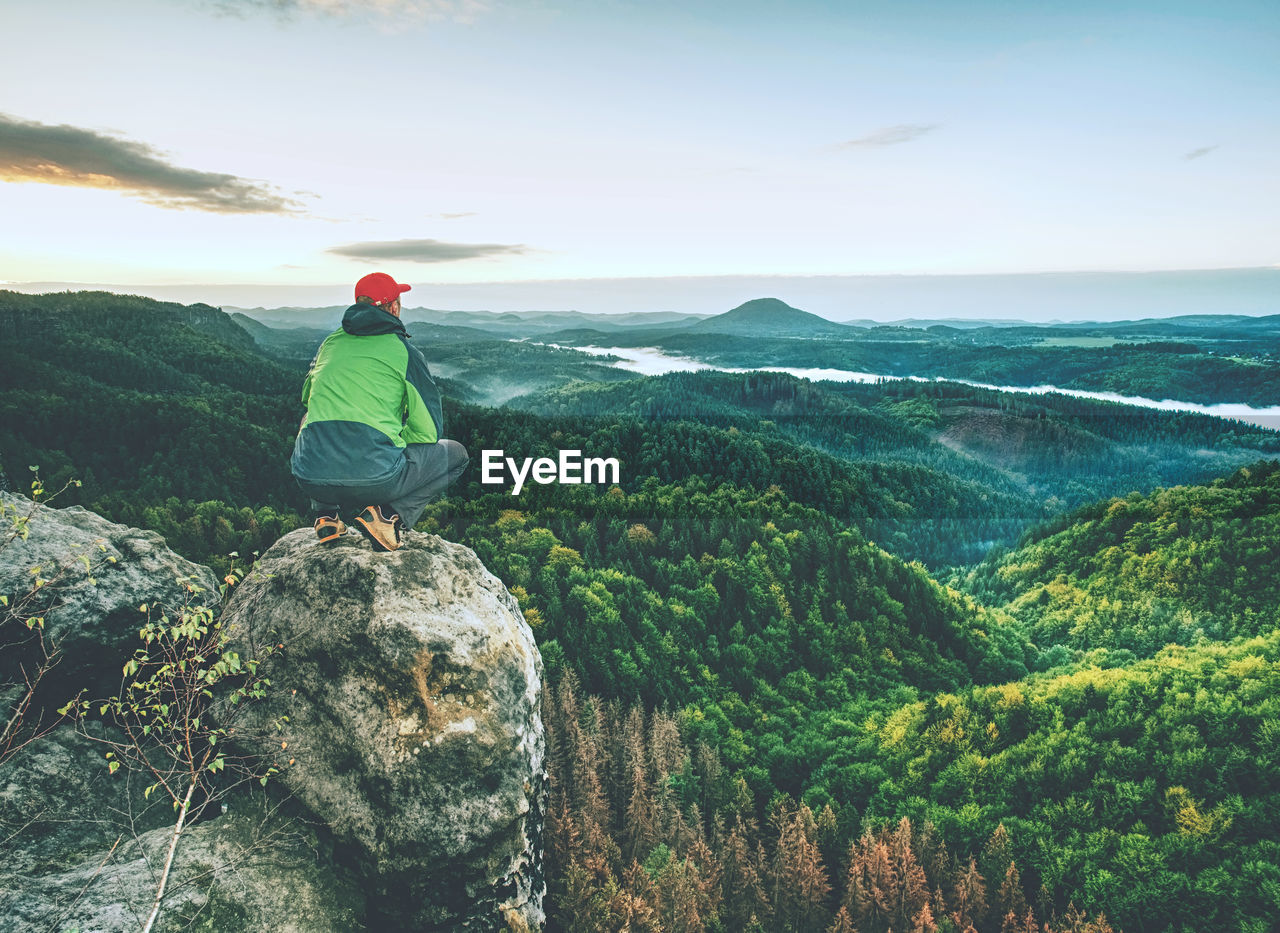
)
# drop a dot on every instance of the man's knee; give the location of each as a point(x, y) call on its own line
point(458, 457)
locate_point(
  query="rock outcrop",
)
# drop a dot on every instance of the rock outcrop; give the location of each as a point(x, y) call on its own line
point(411, 787)
point(412, 687)
point(98, 573)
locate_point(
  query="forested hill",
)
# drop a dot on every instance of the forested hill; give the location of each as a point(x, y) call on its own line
point(768, 317)
point(143, 402)
point(102, 312)
point(1136, 573)
point(136, 343)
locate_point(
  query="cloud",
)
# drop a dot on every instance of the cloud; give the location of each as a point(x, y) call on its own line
point(80, 158)
point(457, 216)
point(395, 11)
point(426, 250)
point(1199, 153)
point(890, 135)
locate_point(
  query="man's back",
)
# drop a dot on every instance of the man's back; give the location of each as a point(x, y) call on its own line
point(365, 401)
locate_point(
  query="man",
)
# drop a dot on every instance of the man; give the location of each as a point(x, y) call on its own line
point(370, 445)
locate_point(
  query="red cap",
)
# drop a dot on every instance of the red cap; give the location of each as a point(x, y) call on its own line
point(381, 287)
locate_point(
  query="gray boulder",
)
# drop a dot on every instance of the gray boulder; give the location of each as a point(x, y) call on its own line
point(91, 612)
point(412, 685)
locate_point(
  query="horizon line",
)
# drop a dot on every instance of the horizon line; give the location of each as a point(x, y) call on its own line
point(698, 276)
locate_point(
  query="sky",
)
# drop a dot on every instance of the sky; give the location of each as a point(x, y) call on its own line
point(612, 154)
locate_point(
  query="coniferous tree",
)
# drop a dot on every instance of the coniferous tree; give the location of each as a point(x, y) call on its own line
point(638, 906)
point(743, 878)
point(800, 882)
point(1010, 901)
point(996, 857)
point(912, 894)
point(970, 897)
point(843, 923)
point(872, 892)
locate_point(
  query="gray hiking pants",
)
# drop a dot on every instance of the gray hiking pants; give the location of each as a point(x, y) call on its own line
point(428, 470)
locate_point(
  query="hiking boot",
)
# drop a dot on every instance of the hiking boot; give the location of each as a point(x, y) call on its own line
point(383, 531)
point(329, 528)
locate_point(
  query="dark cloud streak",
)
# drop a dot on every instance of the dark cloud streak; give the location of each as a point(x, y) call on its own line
point(1199, 153)
point(890, 136)
point(426, 250)
point(80, 158)
point(403, 11)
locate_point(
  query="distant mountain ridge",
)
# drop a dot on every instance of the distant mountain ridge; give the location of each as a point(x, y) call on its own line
point(502, 325)
point(769, 317)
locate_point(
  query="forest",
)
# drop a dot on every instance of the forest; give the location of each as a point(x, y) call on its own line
point(830, 656)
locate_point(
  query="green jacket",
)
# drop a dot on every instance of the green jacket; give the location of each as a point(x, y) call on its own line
point(368, 394)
